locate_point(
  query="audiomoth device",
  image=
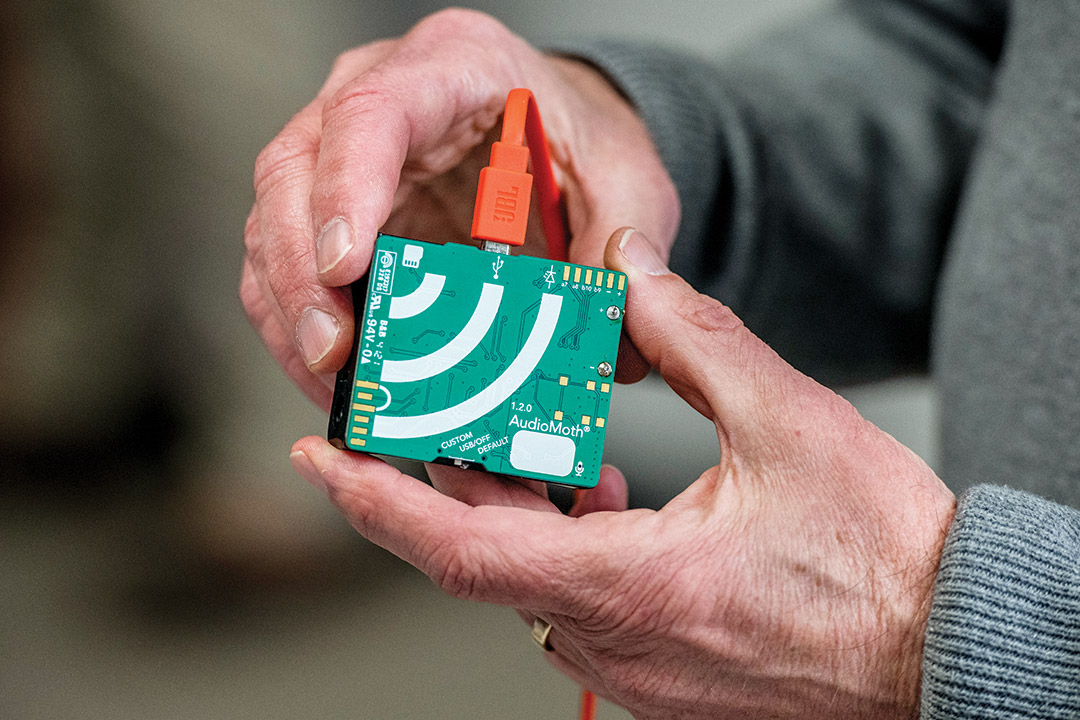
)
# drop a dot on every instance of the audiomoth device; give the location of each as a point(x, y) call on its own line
point(482, 359)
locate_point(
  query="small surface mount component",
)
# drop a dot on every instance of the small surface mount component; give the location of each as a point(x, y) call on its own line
point(482, 360)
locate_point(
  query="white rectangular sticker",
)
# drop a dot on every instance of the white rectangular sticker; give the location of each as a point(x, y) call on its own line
point(542, 453)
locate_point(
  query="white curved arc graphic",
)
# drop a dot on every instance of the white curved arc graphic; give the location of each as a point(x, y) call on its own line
point(453, 352)
point(489, 398)
point(419, 299)
point(388, 399)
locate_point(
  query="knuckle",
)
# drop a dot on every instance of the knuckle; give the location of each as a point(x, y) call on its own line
point(252, 237)
point(362, 94)
point(292, 280)
point(344, 63)
point(708, 314)
point(353, 61)
point(459, 21)
point(454, 571)
point(288, 155)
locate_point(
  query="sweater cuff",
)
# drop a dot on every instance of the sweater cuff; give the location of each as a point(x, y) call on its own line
point(1003, 637)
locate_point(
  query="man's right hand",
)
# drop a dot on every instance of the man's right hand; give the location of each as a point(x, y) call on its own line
point(395, 141)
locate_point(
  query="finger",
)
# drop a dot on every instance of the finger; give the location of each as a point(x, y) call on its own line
point(609, 495)
point(266, 317)
point(422, 110)
point(282, 251)
point(267, 322)
point(701, 348)
point(503, 555)
point(475, 487)
point(630, 367)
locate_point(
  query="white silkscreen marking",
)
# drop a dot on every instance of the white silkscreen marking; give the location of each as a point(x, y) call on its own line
point(489, 398)
point(453, 352)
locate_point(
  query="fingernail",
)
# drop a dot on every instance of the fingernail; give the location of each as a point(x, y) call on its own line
point(639, 251)
point(334, 243)
point(315, 334)
point(303, 465)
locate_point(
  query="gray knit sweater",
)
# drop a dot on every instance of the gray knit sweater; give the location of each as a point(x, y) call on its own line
point(888, 173)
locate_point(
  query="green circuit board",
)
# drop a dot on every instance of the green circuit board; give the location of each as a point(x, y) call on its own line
point(482, 360)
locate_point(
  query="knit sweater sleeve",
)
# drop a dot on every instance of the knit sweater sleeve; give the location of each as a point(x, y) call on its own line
point(1003, 638)
point(819, 168)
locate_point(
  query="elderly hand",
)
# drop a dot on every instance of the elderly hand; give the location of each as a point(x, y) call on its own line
point(395, 140)
point(793, 579)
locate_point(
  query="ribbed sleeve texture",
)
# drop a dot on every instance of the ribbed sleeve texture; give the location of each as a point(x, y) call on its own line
point(1003, 639)
point(818, 169)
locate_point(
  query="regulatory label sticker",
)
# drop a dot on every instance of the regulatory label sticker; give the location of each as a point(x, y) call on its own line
point(384, 272)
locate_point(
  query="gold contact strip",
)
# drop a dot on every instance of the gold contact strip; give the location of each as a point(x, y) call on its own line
point(361, 419)
point(588, 276)
point(622, 282)
point(363, 408)
point(566, 273)
point(599, 279)
point(363, 396)
point(367, 384)
point(610, 280)
point(577, 274)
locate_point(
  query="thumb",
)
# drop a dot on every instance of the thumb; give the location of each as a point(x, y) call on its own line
point(610, 494)
point(701, 348)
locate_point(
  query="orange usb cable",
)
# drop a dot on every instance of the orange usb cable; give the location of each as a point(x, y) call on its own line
point(503, 196)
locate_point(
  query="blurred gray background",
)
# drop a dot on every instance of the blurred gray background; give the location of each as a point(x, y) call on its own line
point(158, 558)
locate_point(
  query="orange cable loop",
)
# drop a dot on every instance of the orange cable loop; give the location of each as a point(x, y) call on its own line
point(588, 705)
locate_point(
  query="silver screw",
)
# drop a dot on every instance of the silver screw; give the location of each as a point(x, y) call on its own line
point(613, 312)
point(604, 369)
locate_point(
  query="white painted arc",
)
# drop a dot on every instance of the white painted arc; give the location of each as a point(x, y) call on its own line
point(453, 352)
point(414, 426)
point(419, 299)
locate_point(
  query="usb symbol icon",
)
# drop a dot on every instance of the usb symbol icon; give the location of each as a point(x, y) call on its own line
point(496, 265)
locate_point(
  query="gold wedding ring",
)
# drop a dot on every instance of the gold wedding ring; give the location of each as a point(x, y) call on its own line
point(541, 630)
